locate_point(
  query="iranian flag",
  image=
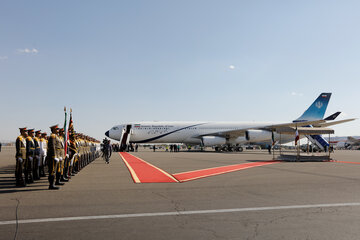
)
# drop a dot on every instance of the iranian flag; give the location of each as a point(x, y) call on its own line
point(66, 133)
point(296, 136)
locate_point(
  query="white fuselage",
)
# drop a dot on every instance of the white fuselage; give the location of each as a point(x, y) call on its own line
point(193, 133)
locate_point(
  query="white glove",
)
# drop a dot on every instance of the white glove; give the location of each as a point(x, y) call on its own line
point(67, 155)
point(61, 158)
point(56, 159)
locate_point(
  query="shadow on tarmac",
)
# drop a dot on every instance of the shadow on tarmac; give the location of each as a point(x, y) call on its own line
point(8, 182)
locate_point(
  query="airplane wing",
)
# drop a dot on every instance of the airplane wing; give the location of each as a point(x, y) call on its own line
point(273, 127)
point(327, 124)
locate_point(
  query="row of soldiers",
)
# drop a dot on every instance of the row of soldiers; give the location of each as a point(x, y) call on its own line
point(35, 151)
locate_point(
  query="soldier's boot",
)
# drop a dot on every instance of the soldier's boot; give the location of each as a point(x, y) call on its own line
point(74, 169)
point(58, 180)
point(68, 175)
point(20, 182)
point(36, 173)
point(63, 178)
point(42, 171)
point(51, 183)
point(27, 178)
point(17, 177)
point(31, 178)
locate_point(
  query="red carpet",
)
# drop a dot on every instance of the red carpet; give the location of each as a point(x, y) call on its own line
point(192, 175)
point(143, 172)
point(345, 162)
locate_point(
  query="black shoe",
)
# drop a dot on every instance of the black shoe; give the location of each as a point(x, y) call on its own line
point(52, 187)
point(59, 183)
point(63, 179)
point(18, 184)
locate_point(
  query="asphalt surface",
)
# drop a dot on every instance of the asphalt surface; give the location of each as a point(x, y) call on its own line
point(287, 200)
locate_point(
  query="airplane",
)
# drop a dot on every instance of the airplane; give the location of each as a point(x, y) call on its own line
point(229, 134)
point(317, 140)
point(350, 143)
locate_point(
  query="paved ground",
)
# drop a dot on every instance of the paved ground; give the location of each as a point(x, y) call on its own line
point(322, 199)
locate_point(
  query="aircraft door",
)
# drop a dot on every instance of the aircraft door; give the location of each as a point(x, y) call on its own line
point(125, 137)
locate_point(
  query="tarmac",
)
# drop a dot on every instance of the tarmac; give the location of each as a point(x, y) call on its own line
point(285, 200)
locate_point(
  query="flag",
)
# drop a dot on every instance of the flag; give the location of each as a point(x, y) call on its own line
point(296, 136)
point(65, 137)
point(71, 125)
point(272, 138)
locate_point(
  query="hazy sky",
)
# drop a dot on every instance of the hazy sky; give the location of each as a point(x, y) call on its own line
point(120, 61)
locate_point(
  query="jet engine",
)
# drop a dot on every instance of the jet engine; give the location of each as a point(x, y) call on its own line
point(209, 141)
point(258, 135)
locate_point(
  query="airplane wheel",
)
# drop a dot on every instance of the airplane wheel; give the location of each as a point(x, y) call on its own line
point(239, 149)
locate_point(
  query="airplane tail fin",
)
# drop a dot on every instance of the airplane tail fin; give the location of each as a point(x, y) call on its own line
point(317, 109)
point(332, 116)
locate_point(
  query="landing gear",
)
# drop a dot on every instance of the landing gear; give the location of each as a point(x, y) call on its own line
point(239, 149)
point(229, 148)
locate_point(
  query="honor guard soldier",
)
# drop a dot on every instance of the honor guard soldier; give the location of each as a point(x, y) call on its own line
point(30, 153)
point(36, 166)
point(52, 156)
point(72, 153)
point(20, 157)
point(43, 153)
point(74, 146)
point(60, 172)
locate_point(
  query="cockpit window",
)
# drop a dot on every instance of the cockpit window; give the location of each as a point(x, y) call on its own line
point(115, 128)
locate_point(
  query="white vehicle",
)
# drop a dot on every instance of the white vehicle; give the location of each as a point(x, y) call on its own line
point(223, 133)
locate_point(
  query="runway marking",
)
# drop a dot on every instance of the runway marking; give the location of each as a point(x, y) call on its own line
point(192, 175)
point(144, 172)
point(179, 213)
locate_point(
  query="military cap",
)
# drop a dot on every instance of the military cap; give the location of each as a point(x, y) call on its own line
point(38, 131)
point(23, 129)
point(30, 130)
point(43, 134)
point(61, 130)
point(54, 127)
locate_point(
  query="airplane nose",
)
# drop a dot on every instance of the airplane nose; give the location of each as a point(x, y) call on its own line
point(107, 134)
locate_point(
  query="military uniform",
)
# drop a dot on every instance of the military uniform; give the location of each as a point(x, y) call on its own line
point(20, 157)
point(72, 154)
point(61, 148)
point(52, 156)
point(30, 153)
point(43, 153)
point(36, 164)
